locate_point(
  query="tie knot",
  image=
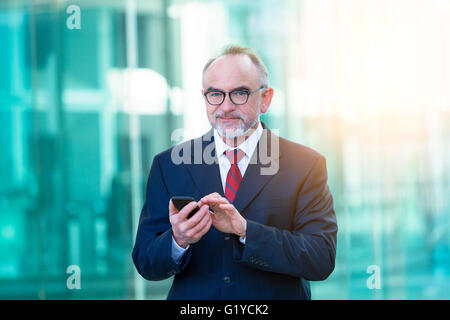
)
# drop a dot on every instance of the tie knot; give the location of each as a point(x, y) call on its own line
point(235, 155)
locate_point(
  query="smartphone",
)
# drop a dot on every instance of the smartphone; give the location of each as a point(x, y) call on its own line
point(180, 202)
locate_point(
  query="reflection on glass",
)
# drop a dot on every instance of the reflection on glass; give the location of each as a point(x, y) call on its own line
point(365, 85)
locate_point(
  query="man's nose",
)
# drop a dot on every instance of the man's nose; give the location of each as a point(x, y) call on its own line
point(227, 105)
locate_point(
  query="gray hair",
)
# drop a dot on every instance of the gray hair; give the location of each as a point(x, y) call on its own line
point(234, 49)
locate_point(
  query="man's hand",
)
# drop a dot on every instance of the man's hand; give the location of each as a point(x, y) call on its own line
point(186, 231)
point(225, 217)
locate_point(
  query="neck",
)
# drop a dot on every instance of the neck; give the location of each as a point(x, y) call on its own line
point(234, 142)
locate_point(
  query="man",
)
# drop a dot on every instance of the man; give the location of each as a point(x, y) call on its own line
point(259, 234)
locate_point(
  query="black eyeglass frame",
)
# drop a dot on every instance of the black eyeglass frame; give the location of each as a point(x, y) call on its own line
point(249, 92)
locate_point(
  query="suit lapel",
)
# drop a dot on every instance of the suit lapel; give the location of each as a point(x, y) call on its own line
point(256, 176)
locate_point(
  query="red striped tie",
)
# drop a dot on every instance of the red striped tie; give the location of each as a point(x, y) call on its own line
point(234, 177)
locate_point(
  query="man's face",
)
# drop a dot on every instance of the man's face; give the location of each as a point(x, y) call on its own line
point(228, 73)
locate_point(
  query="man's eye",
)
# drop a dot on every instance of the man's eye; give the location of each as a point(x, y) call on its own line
point(215, 94)
point(240, 93)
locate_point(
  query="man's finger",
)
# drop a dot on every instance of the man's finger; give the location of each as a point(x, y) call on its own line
point(213, 200)
point(187, 209)
point(198, 227)
point(197, 217)
point(204, 228)
point(228, 208)
point(213, 195)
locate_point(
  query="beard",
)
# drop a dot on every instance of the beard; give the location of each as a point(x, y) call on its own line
point(241, 130)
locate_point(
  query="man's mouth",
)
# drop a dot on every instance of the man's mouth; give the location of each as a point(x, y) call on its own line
point(229, 119)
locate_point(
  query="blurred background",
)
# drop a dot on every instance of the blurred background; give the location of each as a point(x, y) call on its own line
point(91, 90)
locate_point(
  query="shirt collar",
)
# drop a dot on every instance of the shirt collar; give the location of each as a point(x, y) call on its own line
point(248, 146)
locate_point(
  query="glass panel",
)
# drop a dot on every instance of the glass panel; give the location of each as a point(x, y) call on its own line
point(89, 93)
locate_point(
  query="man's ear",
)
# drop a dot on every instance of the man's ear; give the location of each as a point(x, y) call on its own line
point(266, 99)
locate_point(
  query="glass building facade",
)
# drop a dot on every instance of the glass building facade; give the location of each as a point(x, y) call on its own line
point(91, 90)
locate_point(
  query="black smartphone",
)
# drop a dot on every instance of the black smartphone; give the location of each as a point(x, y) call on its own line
point(180, 202)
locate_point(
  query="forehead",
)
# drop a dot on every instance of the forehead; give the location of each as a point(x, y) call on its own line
point(231, 71)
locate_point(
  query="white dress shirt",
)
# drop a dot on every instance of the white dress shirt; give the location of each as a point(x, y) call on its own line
point(248, 146)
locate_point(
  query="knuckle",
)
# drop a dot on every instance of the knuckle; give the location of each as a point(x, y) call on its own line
point(182, 228)
point(190, 234)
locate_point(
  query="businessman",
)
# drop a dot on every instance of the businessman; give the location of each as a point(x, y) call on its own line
point(265, 225)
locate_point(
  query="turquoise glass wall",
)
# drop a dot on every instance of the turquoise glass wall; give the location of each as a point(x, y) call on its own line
point(90, 91)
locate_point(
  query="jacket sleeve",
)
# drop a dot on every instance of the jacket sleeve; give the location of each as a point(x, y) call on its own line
point(308, 250)
point(152, 252)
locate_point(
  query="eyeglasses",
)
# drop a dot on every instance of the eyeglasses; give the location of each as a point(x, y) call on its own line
point(216, 97)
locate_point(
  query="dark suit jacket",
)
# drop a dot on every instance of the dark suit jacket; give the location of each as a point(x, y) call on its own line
point(291, 225)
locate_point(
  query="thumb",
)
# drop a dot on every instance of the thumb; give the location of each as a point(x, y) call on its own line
point(172, 208)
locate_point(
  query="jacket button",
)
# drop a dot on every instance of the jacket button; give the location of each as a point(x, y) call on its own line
point(171, 273)
point(226, 237)
point(226, 279)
